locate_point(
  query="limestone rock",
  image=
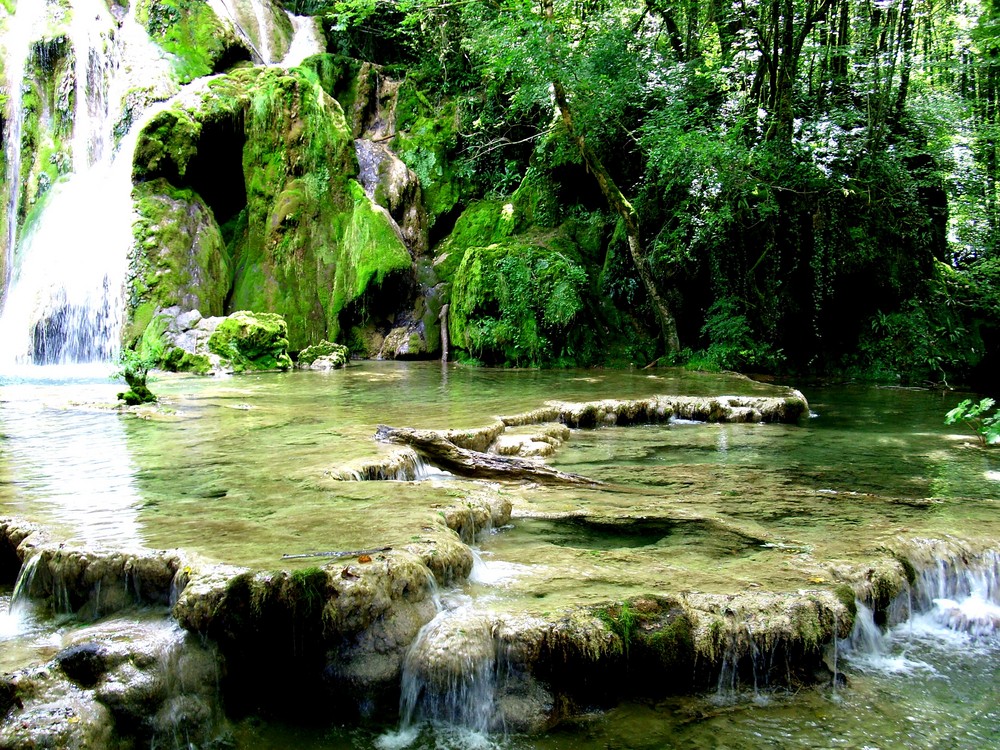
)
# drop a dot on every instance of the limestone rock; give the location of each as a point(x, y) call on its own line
point(323, 356)
point(270, 154)
point(252, 341)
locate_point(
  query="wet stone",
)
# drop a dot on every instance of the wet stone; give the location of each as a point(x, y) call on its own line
point(84, 664)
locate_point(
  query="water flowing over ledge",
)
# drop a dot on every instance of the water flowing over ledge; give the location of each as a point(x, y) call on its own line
point(376, 634)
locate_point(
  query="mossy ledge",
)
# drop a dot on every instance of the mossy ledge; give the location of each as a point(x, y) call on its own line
point(338, 634)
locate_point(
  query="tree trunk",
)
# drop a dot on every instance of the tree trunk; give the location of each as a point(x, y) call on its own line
point(467, 463)
point(620, 205)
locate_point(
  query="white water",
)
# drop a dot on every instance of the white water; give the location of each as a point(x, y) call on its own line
point(263, 31)
point(954, 606)
point(306, 41)
point(65, 298)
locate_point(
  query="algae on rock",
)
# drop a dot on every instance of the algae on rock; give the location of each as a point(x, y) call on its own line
point(181, 257)
point(252, 341)
point(200, 42)
point(515, 302)
point(270, 154)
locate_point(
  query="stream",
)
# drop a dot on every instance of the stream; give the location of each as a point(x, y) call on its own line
point(238, 469)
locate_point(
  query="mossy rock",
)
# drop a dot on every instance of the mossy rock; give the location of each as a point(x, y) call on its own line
point(180, 256)
point(482, 223)
point(516, 302)
point(370, 250)
point(189, 30)
point(252, 341)
point(324, 355)
point(426, 143)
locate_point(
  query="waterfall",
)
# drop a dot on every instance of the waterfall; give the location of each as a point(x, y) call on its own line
point(449, 677)
point(263, 31)
point(954, 602)
point(64, 303)
point(66, 268)
point(306, 41)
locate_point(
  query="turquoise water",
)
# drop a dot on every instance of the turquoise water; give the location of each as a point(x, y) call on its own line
point(238, 469)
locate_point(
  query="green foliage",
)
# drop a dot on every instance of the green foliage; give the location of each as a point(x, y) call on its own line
point(977, 418)
point(515, 303)
point(134, 369)
point(732, 346)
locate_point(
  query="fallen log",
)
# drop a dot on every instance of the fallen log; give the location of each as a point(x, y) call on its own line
point(444, 454)
point(337, 553)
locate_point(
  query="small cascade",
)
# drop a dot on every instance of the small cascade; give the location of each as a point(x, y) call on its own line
point(450, 674)
point(191, 713)
point(866, 636)
point(307, 40)
point(953, 603)
point(743, 665)
point(491, 572)
point(961, 594)
point(263, 31)
point(25, 581)
point(404, 465)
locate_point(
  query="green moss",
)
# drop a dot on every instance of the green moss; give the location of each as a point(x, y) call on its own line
point(306, 591)
point(336, 75)
point(908, 570)
point(190, 31)
point(621, 620)
point(370, 250)
point(516, 302)
point(536, 203)
point(846, 595)
point(252, 341)
point(338, 354)
point(673, 642)
point(167, 144)
point(179, 256)
point(426, 143)
point(482, 223)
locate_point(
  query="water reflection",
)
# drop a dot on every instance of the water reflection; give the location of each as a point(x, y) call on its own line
point(65, 463)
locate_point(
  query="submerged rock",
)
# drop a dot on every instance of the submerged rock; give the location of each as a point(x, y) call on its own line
point(119, 684)
point(84, 664)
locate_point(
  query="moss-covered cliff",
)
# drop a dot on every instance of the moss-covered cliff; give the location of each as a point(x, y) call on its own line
point(269, 153)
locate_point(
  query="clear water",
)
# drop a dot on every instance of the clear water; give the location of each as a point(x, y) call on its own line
point(237, 469)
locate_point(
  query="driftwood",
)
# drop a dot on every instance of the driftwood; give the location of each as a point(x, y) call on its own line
point(335, 553)
point(444, 454)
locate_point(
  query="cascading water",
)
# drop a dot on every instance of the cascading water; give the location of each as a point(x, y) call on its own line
point(306, 40)
point(20, 35)
point(449, 679)
point(954, 603)
point(65, 298)
point(67, 265)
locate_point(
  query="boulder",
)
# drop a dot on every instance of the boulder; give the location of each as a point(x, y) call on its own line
point(252, 341)
point(323, 356)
